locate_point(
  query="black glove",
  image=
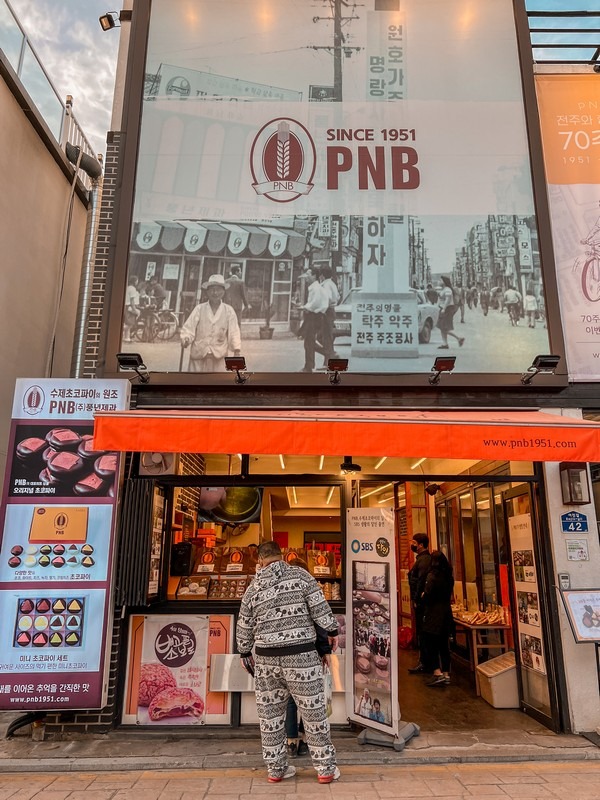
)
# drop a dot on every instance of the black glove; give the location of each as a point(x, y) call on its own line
point(248, 664)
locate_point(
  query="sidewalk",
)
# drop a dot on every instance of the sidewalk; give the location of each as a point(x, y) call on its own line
point(205, 750)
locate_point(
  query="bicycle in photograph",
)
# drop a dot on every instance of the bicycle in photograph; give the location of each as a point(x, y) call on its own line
point(155, 325)
point(590, 273)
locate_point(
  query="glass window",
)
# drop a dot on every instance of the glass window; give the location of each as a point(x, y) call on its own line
point(486, 545)
point(11, 38)
point(41, 91)
point(469, 550)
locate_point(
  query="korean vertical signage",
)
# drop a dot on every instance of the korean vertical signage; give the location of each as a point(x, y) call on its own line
point(56, 552)
point(525, 579)
point(570, 124)
point(372, 646)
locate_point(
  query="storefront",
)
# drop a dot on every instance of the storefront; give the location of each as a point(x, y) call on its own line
point(191, 522)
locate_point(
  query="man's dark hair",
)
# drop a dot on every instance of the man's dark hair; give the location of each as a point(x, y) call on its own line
point(421, 538)
point(268, 550)
point(326, 271)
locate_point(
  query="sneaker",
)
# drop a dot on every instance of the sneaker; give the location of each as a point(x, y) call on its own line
point(461, 341)
point(289, 773)
point(302, 748)
point(438, 680)
point(418, 670)
point(333, 776)
point(293, 750)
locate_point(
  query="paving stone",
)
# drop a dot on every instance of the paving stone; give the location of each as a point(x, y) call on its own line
point(404, 789)
point(448, 787)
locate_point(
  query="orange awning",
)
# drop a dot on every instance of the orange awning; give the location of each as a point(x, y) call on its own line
point(485, 435)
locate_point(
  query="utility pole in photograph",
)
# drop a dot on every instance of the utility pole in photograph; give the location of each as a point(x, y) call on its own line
point(340, 48)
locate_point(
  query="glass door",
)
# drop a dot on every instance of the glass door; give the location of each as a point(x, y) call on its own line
point(532, 632)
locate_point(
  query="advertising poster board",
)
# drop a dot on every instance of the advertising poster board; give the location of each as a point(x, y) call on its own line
point(312, 153)
point(372, 624)
point(525, 579)
point(583, 611)
point(172, 682)
point(57, 523)
point(568, 105)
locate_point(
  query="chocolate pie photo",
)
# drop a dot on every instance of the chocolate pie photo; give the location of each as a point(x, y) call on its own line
point(60, 462)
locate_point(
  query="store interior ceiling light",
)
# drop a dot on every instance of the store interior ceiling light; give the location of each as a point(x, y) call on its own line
point(134, 361)
point(348, 467)
point(540, 364)
point(418, 463)
point(380, 462)
point(237, 364)
point(376, 491)
point(329, 495)
point(321, 462)
point(334, 367)
point(441, 364)
point(282, 461)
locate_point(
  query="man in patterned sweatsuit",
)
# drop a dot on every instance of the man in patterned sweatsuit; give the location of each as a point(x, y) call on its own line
point(277, 618)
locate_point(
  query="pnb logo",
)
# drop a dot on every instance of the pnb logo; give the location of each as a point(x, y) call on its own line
point(33, 401)
point(283, 160)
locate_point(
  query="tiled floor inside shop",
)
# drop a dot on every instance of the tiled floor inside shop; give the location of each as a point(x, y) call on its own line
point(455, 707)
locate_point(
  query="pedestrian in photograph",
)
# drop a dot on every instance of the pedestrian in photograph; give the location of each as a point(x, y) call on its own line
point(327, 337)
point(235, 292)
point(437, 618)
point(449, 299)
point(364, 705)
point(132, 307)
point(212, 330)
point(317, 303)
point(277, 619)
point(157, 293)
point(512, 301)
point(417, 575)
point(530, 306)
point(484, 301)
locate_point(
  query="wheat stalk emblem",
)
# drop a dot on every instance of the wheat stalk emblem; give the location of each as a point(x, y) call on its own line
point(283, 150)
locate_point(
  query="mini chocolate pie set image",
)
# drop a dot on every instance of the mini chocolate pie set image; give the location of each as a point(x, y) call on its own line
point(65, 459)
point(47, 622)
point(56, 556)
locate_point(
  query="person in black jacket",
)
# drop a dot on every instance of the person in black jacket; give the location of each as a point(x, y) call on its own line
point(416, 580)
point(437, 619)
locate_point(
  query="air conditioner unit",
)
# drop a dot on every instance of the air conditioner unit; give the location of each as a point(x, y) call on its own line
point(154, 464)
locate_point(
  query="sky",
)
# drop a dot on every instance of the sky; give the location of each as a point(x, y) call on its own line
point(78, 55)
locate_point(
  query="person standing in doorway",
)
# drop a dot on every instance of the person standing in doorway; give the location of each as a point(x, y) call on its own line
point(277, 619)
point(437, 619)
point(132, 307)
point(212, 330)
point(315, 307)
point(235, 292)
point(417, 576)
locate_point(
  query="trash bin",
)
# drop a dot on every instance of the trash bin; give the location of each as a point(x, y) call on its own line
point(498, 681)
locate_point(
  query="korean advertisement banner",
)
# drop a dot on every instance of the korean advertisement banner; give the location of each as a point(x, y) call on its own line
point(372, 624)
point(299, 199)
point(172, 680)
point(570, 123)
point(56, 551)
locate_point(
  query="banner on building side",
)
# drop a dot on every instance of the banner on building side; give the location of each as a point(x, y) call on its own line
point(570, 123)
point(172, 680)
point(401, 183)
point(372, 625)
point(56, 552)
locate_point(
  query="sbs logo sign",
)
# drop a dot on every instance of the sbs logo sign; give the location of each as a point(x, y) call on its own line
point(283, 160)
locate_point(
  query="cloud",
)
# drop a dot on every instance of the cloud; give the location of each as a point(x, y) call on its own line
point(78, 56)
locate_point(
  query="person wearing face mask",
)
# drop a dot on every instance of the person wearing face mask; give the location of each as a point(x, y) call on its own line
point(417, 577)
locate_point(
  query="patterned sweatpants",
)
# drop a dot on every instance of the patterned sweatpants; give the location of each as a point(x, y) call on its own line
point(301, 675)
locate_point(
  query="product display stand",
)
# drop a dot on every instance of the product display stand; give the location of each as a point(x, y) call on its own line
point(405, 734)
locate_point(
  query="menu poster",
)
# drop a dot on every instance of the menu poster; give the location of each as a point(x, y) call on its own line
point(57, 521)
point(583, 611)
point(172, 682)
point(371, 631)
point(158, 516)
point(530, 635)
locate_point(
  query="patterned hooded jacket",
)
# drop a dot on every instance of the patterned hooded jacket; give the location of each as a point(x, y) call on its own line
point(280, 610)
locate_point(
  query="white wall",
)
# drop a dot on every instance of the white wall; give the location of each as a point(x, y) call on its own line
point(580, 669)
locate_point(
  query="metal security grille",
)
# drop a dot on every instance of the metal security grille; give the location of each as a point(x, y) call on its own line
point(565, 37)
point(135, 543)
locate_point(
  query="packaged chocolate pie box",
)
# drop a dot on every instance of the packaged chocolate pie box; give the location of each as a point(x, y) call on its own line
point(208, 561)
point(234, 560)
point(321, 563)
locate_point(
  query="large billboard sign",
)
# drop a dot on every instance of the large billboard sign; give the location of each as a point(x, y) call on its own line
point(245, 183)
point(570, 122)
point(57, 524)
